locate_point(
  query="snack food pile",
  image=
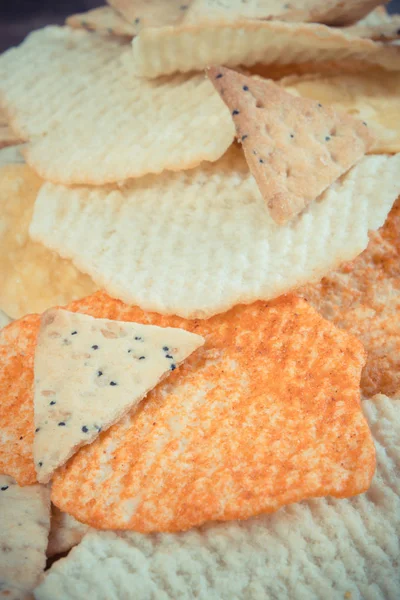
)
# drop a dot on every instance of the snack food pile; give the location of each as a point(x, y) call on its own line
point(199, 295)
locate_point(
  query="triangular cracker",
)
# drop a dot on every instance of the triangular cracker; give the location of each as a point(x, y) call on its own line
point(265, 414)
point(25, 524)
point(295, 148)
point(102, 20)
point(89, 373)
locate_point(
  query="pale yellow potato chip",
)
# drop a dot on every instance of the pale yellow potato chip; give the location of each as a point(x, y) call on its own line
point(197, 242)
point(102, 20)
point(90, 120)
point(318, 11)
point(247, 42)
point(373, 97)
point(378, 25)
point(31, 277)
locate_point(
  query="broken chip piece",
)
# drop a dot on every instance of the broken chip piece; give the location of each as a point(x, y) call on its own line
point(295, 147)
point(89, 373)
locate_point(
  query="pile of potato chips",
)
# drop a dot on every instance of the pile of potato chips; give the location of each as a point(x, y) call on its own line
point(209, 189)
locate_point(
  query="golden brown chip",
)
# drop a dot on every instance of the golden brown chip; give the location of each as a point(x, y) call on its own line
point(295, 148)
point(363, 297)
point(266, 413)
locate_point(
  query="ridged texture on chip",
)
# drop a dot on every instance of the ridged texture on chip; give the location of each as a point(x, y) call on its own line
point(73, 95)
point(372, 97)
point(213, 243)
point(65, 532)
point(249, 423)
point(363, 297)
point(248, 42)
point(32, 278)
point(336, 549)
point(25, 524)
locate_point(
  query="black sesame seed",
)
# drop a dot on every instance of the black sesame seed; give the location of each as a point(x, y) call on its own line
point(138, 338)
point(260, 160)
point(85, 429)
point(61, 424)
point(364, 123)
point(246, 88)
point(319, 104)
point(137, 20)
point(244, 137)
point(40, 464)
point(4, 488)
point(74, 333)
point(168, 356)
point(95, 347)
point(142, 357)
point(52, 403)
point(99, 373)
point(292, 135)
point(37, 429)
point(113, 383)
point(327, 138)
point(98, 428)
point(165, 348)
point(173, 367)
point(218, 76)
point(184, 7)
point(235, 112)
point(130, 350)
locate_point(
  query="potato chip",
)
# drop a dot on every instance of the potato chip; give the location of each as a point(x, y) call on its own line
point(27, 269)
point(25, 524)
point(295, 147)
point(363, 297)
point(325, 548)
point(184, 48)
point(213, 243)
point(372, 97)
point(319, 11)
point(65, 532)
point(90, 120)
point(378, 25)
point(249, 423)
point(102, 20)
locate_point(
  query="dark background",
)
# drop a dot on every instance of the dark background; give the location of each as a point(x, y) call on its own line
point(19, 17)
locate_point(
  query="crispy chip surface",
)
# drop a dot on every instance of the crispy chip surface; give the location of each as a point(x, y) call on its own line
point(372, 97)
point(90, 120)
point(213, 243)
point(184, 48)
point(102, 20)
point(25, 524)
point(363, 297)
point(27, 269)
point(265, 414)
point(295, 147)
point(336, 549)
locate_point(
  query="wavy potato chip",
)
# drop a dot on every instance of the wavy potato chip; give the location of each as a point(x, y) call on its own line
point(214, 243)
point(363, 297)
point(184, 48)
point(27, 269)
point(251, 422)
point(325, 548)
point(102, 20)
point(88, 119)
point(372, 97)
